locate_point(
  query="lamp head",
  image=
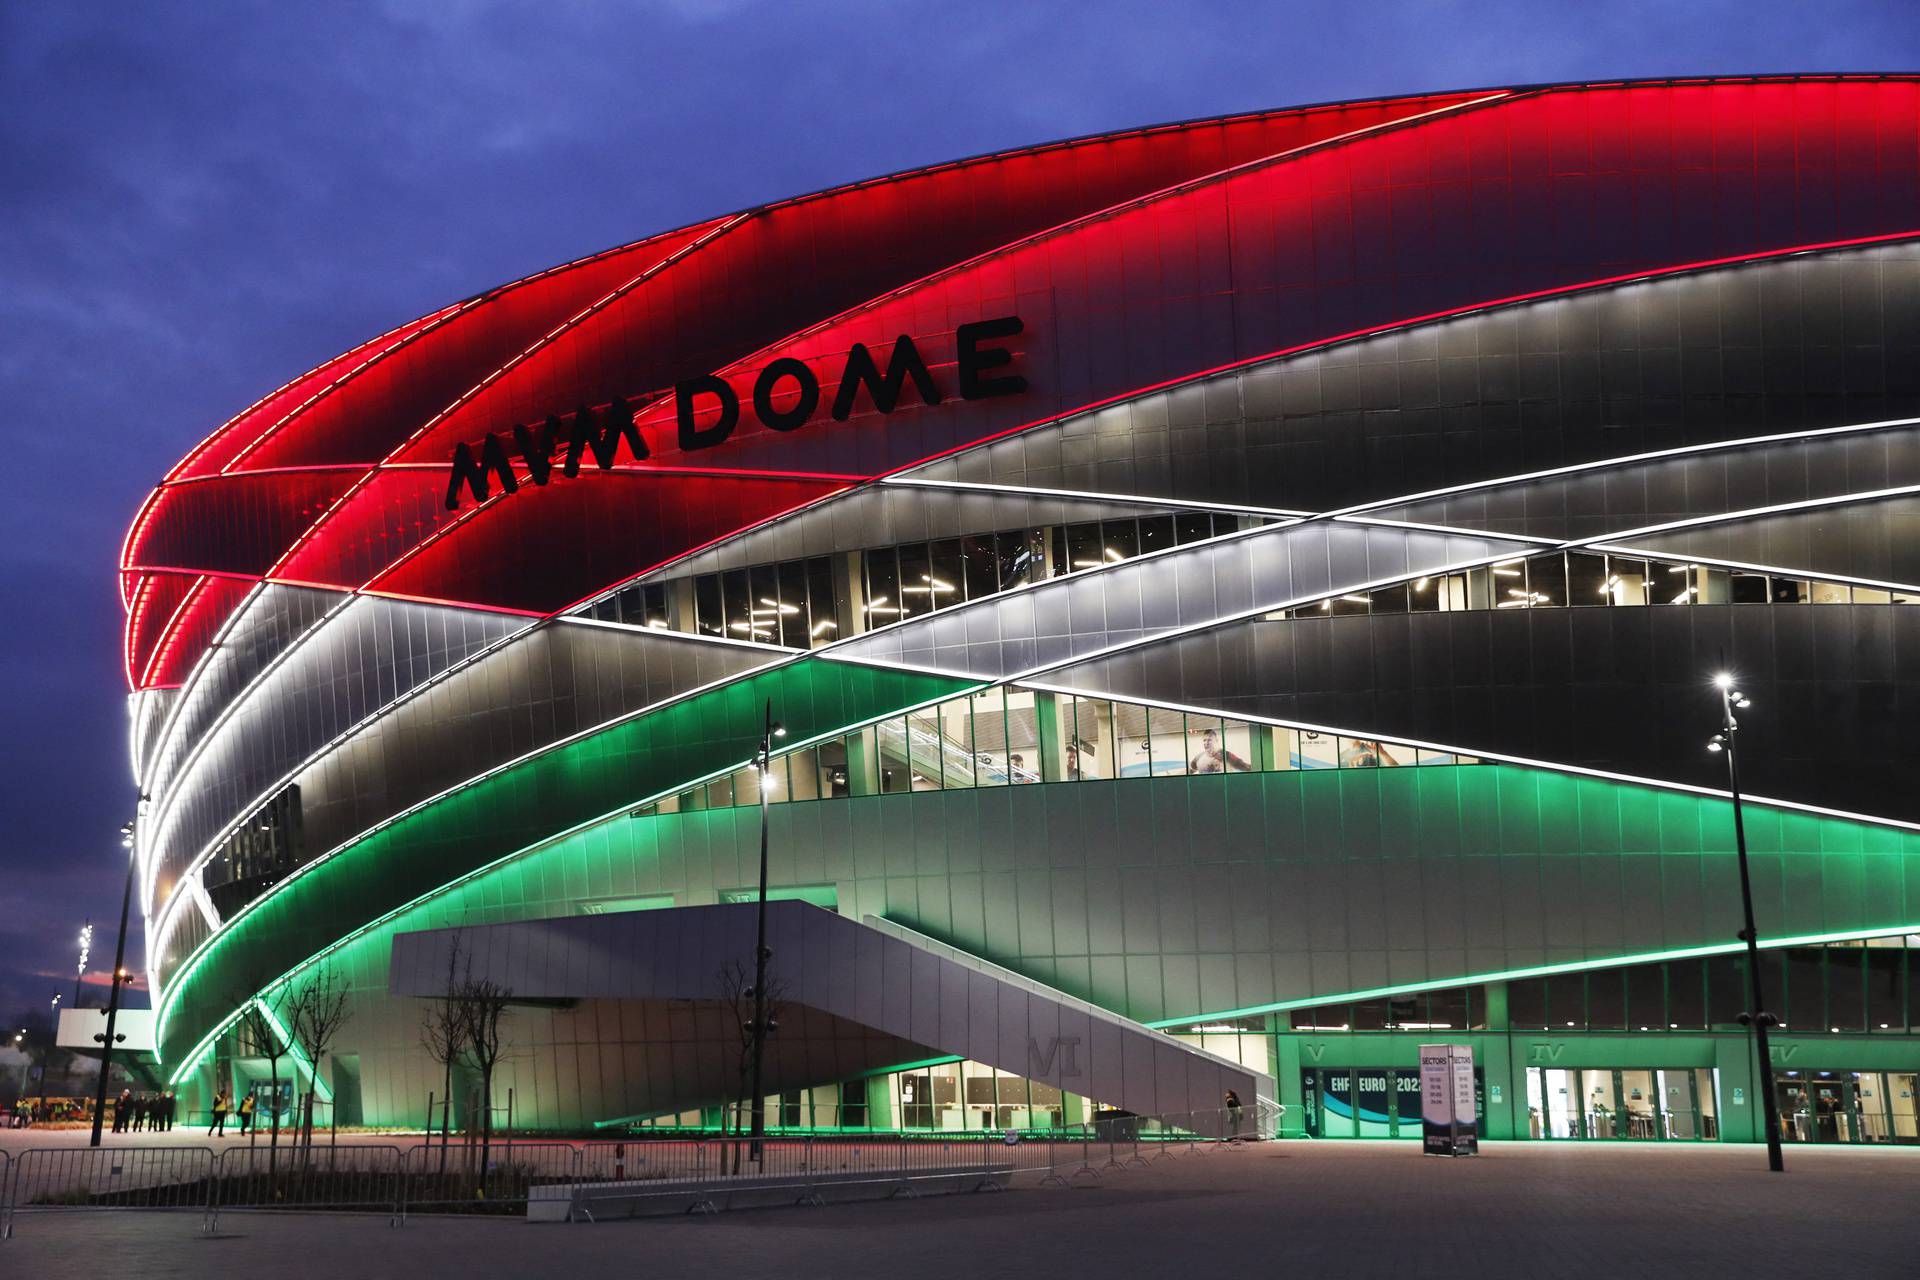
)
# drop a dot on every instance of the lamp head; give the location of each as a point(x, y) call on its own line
point(1723, 681)
point(1717, 743)
point(779, 730)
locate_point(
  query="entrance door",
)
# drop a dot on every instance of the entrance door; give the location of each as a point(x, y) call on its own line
point(1903, 1105)
point(1870, 1105)
point(1639, 1115)
point(1553, 1103)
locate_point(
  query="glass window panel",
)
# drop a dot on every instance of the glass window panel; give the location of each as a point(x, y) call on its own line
point(1480, 587)
point(1282, 750)
point(719, 793)
point(1846, 993)
point(1326, 1017)
point(947, 576)
point(1019, 558)
point(1671, 583)
point(1804, 996)
point(1347, 603)
point(710, 615)
point(1224, 524)
point(1453, 592)
point(1192, 527)
point(1391, 599)
point(1371, 1015)
point(1092, 755)
point(792, 603)
point(803, 774)
point(1790, 591)
point(1646, 997)
point(763, 608)
point(883, 587)
point(1507, 585)
point(1711, 586)
point(1156, 534)
point(1686, 995)
point(1167, 733)
point(1566, 1000)
point(744, 786)
point(1235, 749)
point(1316, 750)
point(1527, 1004)
point(1424, 595)
point(1586, 578)
point(1429, 756)
point(831, 760)
point(979, 565)
point(1083, 547)
point(1726, 991)
point(1871, 595)
point(1023, 737)
point(1062, 562)
point(1120, 540)
point(957, 767)
point(1547, 580)
point(896, 775)
point(925, 756)
point(1362, 753)
point(1133, 754)
point(1831, 593)
point(916, 580)
point(1886, 1002)
point(1447, 1010)
point(989, 737)
point(1749, 588)
point(1627, 580)
point(738, 612)
point(823, 609)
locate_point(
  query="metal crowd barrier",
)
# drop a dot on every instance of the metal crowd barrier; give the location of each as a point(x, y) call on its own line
point(703, 1174)
point(89, 1179)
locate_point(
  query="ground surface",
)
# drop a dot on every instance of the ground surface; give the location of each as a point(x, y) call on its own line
point(1543, 1211)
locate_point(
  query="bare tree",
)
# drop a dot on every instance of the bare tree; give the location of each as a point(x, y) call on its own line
point(735, 981)
point(315, 1014)
point(262, 1026)
point(482, 1003)
point(443, 1034)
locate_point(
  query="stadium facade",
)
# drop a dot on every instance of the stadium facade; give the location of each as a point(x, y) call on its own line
point(1242, 592)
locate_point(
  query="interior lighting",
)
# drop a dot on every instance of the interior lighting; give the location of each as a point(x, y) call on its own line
point(824, 625)
point(1114, 557)
point(1355, 599)
point(780, 605)
point(1421, 584)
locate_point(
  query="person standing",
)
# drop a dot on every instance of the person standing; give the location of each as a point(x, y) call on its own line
point(1233, 1114)
point(246, 1114)
point(168, 1105)
point(121, 1102)
point(219, 1126)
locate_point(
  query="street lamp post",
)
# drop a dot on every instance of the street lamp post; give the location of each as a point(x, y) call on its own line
point(109, 1039)
point(764, 772)
point(80, 970)
point(1726, 743)
point(46, 1059)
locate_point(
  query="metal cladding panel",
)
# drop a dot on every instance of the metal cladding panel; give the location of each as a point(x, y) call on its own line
point(522, 804)
point(1632, 495)
point(1057, 621)
point(984, 1014)
point(1618, 689)
point(883, 515)
point(267, 626)
point(1871, 539)
point(1815, 340)
point(362, 659)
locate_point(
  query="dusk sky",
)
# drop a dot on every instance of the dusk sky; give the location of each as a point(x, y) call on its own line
point(201, 200)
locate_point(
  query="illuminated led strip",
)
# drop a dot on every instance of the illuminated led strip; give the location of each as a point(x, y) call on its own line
point(168, 920)
point(164, 1006)
point(1536, 971)
point(292, 1047)
point(1119, 499)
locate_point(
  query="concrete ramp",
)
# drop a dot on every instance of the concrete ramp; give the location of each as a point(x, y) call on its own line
point(882, 988)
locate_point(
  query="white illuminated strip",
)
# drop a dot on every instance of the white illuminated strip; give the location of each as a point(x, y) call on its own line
point(1124, 500)
point(1777, 571)
point(152, 832)
point(692, 637)
point(1625, 460)
point(1752, 513)
point(789, 656)
point(199, 861)
point(189, 689)
point(1525, 762)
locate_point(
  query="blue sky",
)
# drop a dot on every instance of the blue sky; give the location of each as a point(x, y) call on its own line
point(202, 200)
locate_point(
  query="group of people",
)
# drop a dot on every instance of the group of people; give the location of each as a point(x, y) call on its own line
point(222, 1105)
point(151, 1112)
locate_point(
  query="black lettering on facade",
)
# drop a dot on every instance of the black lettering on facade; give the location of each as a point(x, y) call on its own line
point(975, 358)
point(605, 441)
point(473, 472)
point(905, 362)
point(692, 436)
point(769, 379)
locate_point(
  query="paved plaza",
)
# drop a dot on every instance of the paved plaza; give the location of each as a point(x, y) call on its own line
point(1540, 1211)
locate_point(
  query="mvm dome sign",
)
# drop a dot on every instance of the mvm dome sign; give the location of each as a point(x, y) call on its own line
point(786, 396)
